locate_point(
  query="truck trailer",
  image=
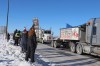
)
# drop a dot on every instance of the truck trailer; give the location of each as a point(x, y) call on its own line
point(81, 39)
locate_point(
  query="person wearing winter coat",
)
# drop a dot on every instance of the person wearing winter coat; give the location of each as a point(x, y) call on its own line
point(24, 38)
point(8, 37)
point(14, 34)
point(17, 37)
point(32, 44)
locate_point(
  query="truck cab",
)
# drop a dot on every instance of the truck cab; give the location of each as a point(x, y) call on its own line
point(46, 36)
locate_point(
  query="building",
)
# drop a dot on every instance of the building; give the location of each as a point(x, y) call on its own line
point(36, 26)
point(2, 31)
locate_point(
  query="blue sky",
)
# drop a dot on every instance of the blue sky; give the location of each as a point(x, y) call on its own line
point(51, 13)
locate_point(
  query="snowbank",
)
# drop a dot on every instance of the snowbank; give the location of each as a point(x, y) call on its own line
point(10, 55)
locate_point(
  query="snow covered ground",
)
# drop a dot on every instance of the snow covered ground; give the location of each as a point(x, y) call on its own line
point(11, 55)
point(45, 55)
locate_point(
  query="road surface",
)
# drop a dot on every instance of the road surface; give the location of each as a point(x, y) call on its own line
point(48, 56)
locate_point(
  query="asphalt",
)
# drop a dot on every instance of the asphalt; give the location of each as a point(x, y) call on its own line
point(49, 56)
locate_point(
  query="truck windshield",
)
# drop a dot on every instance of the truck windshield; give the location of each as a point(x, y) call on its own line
point(47, 32)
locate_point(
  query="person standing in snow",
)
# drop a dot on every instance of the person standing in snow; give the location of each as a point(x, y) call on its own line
point(14, 35)
point(17, 36)
point(32, 44)
point(19, 39)
point(24, 37)
point(8, 37)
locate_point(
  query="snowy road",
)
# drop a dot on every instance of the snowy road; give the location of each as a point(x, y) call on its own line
point(55, 57)
point(10, 55)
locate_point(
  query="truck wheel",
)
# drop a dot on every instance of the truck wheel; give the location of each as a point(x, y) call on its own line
point(79, 49)
point(72, 47)
point(55, 44)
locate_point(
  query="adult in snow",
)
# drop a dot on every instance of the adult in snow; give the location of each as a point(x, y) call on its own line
point(17, 37)
point(24, 37)
point(8, 37)
point(14, 35)
point(32, 44)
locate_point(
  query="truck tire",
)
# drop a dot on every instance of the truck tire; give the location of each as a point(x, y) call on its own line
point(79, 49)
point(72, 47)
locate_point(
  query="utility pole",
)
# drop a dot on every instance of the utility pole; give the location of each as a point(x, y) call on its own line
point(7, 19)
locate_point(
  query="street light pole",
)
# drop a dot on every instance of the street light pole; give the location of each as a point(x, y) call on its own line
point(7, 19)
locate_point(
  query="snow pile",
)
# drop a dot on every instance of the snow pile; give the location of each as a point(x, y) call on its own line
point(24, 64)
point(10, 55)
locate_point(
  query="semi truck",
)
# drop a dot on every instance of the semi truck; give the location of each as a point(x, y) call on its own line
point(81, 39)
point(45, 36)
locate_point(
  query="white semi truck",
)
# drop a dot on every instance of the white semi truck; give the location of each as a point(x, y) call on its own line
point(84, 38)
point(45, 36)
